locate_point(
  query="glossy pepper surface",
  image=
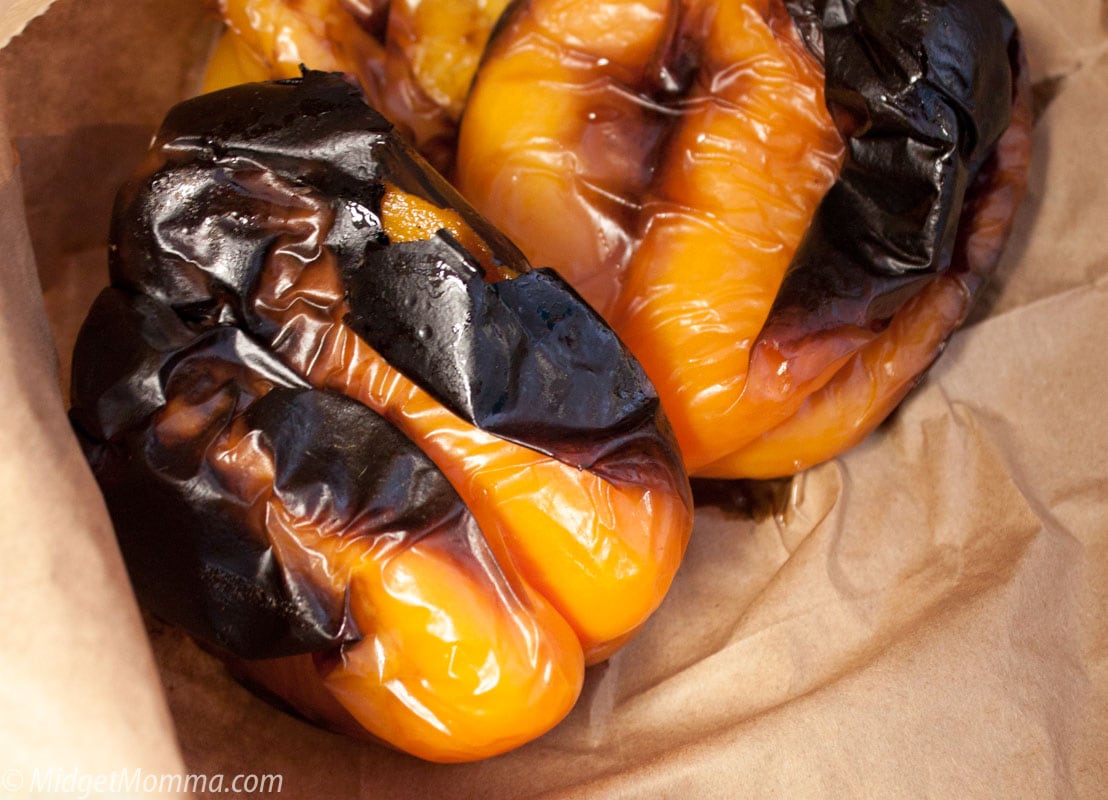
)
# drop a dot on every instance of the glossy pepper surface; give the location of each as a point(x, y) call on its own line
point(413, 58)
point(784, 209)
point(350, 440)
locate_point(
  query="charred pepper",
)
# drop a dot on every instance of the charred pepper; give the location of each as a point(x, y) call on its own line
point(784, 208)
point(414, 58)
point(351, 441)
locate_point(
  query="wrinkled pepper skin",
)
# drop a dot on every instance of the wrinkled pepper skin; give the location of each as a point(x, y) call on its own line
point(414, 59)
point(352, 442)
point(784, 209)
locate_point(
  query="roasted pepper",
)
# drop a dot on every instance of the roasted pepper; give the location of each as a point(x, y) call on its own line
point(414, 58)
point(784, 208)
point(351, 441)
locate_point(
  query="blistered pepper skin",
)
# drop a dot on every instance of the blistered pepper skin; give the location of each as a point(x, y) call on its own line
point(771, 202)
point(414, 58)
point(351, 441)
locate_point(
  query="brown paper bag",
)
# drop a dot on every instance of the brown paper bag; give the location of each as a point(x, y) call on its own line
point(926, 616)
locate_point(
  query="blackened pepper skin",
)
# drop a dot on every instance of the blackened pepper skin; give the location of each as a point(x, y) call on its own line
point(342, 426)
point(414, 60)
point(197, 550)
point(525, 359)
point(922, 93)
point(783, 208)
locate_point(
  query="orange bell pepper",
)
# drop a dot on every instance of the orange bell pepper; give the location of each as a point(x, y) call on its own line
point(414, 59)
point(352, 442)
point(669, 159)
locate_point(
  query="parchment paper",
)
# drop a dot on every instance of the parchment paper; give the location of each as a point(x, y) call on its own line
point(926, 616)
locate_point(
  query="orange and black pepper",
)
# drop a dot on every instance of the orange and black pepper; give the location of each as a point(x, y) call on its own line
point(352, 441)
point(784, 208)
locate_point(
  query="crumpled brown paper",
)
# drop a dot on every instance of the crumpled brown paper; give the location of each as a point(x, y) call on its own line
point(926, 616)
